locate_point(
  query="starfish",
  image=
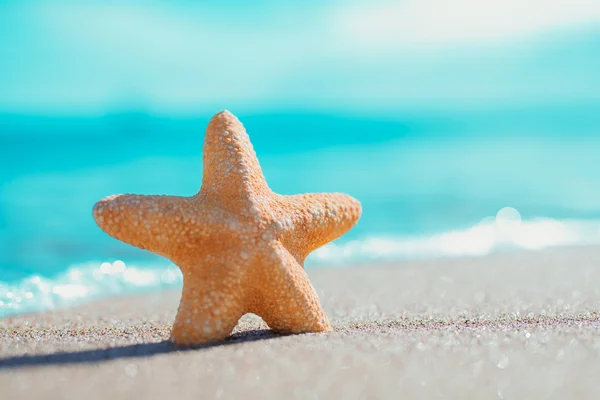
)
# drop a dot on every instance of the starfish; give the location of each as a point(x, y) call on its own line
point(240, 246)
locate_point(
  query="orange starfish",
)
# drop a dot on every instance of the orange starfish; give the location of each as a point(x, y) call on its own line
point(240, 246)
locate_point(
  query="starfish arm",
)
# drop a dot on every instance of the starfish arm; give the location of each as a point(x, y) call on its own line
point(316, 219)
point(232, 173)
point(155, 223)
point(211, 304)
point(284, 297)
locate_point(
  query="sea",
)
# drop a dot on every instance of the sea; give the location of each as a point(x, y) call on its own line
point(433, 184)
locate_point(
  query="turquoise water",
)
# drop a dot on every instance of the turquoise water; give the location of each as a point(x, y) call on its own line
point(431, 185)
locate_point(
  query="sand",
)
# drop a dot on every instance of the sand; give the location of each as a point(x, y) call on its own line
point(514, 325)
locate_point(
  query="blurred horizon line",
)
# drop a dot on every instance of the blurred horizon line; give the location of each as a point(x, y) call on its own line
point(567, 105)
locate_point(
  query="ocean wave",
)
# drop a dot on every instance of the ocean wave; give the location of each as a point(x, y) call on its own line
point(82, 282)
point(491, 234)
point(93, 280)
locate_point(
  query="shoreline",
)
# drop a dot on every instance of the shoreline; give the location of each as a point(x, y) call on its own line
point(399, 263)
point(494, 326)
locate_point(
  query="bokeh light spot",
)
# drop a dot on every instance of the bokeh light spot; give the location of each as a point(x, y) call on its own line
point(508, 219)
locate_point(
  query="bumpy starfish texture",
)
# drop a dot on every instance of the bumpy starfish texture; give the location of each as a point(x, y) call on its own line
point(240, 246)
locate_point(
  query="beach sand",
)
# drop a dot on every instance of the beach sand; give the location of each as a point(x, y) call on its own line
point(511, 325)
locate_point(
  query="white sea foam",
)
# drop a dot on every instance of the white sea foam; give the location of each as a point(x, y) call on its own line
point(93, 280)
point(491, 234)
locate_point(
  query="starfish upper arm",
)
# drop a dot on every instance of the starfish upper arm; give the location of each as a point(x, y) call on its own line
point(155, 223)
point(232, 173)
point(317, 219)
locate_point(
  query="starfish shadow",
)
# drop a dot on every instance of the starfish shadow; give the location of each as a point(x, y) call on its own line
point(129, 351)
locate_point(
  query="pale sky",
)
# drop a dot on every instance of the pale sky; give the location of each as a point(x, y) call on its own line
point(185, 57)
point(388, 24)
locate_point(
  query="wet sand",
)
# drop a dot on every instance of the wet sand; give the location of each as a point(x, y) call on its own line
point(514, 325)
